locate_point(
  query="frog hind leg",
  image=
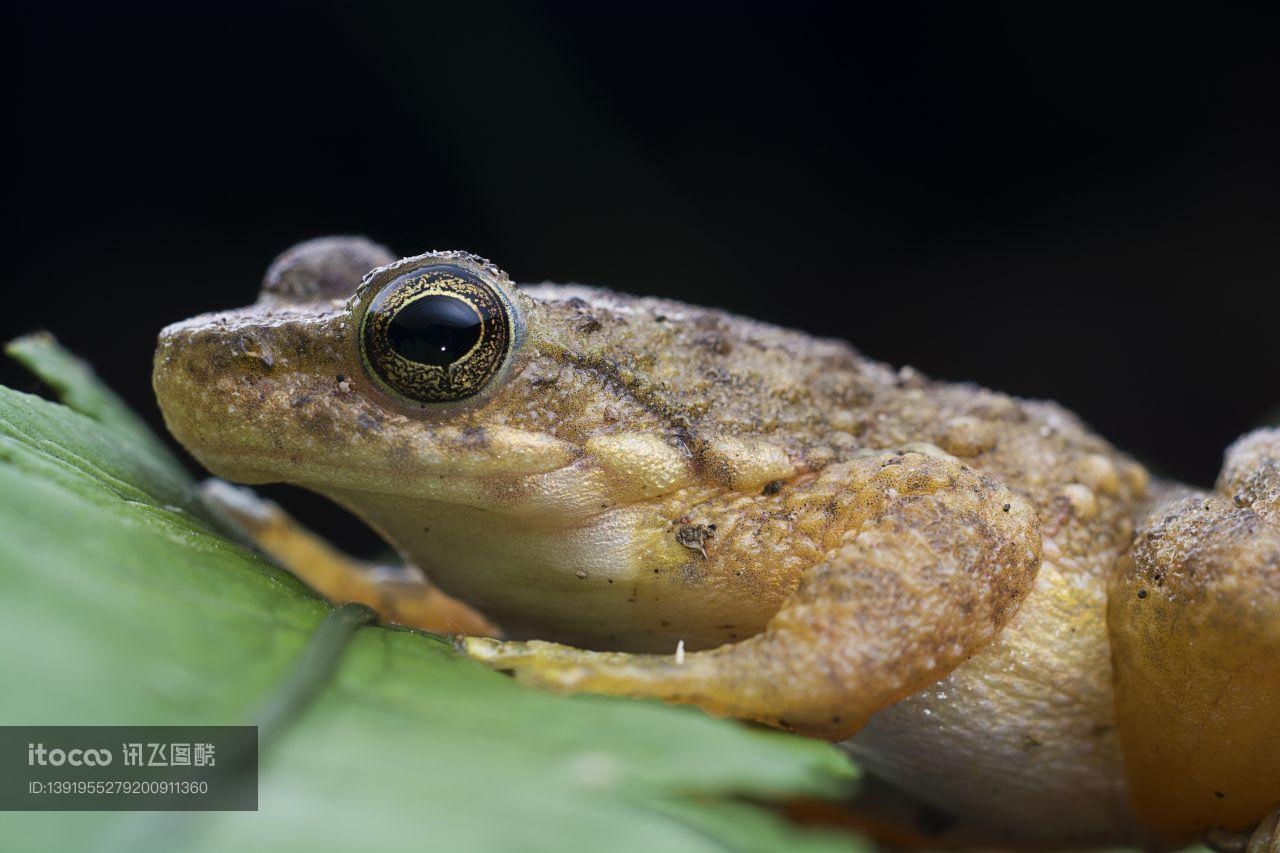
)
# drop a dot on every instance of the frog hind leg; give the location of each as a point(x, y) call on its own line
point(939, 561)
point(1194, 620)
point(398, 594)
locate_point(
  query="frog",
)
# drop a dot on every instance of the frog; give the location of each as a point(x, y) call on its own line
point(988, 606)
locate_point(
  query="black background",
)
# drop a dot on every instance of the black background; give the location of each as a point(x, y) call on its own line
point(1061, 203)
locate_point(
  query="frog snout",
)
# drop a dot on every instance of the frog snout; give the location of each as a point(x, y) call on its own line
point(192, 365)
point(225, 391)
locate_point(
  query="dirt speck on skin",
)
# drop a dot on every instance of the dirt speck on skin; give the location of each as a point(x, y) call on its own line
point(695, 536)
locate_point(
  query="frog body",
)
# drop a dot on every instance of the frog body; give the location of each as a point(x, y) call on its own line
point(654, 499)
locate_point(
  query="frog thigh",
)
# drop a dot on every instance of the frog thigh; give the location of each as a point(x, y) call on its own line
point(942, 561)
point(1194, 619)
point(398, 594)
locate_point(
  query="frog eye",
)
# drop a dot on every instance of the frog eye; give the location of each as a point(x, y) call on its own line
point(436, 334)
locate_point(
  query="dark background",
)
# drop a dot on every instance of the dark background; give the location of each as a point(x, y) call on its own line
point(1053, 202)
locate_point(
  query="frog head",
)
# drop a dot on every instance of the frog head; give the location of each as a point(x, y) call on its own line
point(431, 377)
point(508, 440)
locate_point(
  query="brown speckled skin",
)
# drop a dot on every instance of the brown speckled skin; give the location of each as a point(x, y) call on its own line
point(826, 535)
point(1194, 613)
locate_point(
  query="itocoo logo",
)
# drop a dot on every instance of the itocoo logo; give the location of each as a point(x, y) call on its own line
point(37, 754)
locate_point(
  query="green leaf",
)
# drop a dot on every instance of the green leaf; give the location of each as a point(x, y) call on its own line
point(75, 383)
point(121, 603)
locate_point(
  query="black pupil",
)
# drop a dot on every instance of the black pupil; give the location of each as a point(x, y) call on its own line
point(435, 329)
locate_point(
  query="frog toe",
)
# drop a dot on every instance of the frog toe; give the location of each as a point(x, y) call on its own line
point(542, 664)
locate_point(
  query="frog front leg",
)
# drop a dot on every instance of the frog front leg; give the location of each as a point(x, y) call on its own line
point(1194, 620)
point(933, 561)
point(398, 594)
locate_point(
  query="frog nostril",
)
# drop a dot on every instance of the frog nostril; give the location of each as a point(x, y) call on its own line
point(252, 347)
